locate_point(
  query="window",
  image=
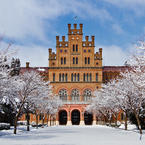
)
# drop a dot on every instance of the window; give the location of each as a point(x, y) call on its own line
point(41, 116)
point(73, 47)
point(76, 60)
point(75, 95)
point(84, 77)
point(122, 116)
point(78, 77)
point(85, 60)
point(85, 50)
point(61, 60)
point(64, 60)
point(60, 77)
point(63, 94)
point(65, 51)
point(73, 60)
point(89, 50)
point(60, 50)
point(63, 77)
point(72, 77)
point(53, 77)
point(76, 48)
point(75, 76)
point(88, 60)
point(90, 77)
point(66, 77)
point(96, 77)
point(87, 77)
point(87, 95)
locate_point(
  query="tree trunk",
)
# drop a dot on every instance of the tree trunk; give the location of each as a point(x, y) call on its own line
point(15, 125)
point(36, 120)
point(126, 120)
point(47, 118)
point(28, 123)
point(115, 121)
point(50, 120)
point(138, 122)
point(43, 120)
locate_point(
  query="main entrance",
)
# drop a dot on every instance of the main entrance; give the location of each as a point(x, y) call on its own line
point(88, 118)
point(62, 117)
point(75, 117)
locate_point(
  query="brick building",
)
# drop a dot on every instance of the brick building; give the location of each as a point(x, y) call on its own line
point(75, 71)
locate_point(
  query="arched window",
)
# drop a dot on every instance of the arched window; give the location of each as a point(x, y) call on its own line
point(76, 60)
point(63, 77)
point(90, 77)
point(78, 77)
point(60, 77)
point(73, 60)
point(64, 60)
point(63, 94)
point(75, 96)
point(53, 77)
point(87, 77)
point(73, 48)
point(96, 77)
point(85, 60)
point(72, 77)
point(66, 77)
point(88, 60)
point(75, 77)
point(76, 48)
point(61, 60)
point(87, 95)
point(84, 77)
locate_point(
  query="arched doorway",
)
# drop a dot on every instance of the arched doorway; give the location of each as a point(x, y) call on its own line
point(75, 117)
point(62, 117)
point(88, 118)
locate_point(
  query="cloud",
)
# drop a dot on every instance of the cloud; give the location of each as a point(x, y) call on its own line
point(35, 54)
point(38, 55)
point(113, 55)
point(23, 19)
point(117, 28)
point(137, 6)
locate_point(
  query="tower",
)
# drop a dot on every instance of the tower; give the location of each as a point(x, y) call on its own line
point(75, 71)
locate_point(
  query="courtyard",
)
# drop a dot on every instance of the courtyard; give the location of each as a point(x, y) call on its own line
point(72, 135)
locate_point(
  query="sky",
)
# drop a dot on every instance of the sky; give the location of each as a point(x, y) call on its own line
point(31, 26)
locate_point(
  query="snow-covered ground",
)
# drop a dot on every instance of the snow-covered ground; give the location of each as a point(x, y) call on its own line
point(72, 135)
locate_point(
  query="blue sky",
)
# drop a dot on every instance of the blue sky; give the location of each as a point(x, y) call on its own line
point(32, 26)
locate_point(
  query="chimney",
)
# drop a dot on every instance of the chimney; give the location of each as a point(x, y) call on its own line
point(27, 64)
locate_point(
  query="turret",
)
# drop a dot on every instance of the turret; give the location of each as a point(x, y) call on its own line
point(75, 30)
point(57, 40)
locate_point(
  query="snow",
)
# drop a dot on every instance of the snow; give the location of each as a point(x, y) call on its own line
point(41, 69)
point(72, 135)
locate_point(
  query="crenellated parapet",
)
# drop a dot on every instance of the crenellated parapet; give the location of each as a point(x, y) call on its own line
point(75, 31)
point(98, 55)
point(62, 43)
point(88, 43)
